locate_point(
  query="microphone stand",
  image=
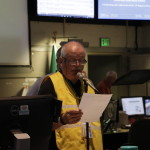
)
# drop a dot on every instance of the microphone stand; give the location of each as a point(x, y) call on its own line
point(87, 124)
point(90, 84)
point(87, 135)
point(86, 84)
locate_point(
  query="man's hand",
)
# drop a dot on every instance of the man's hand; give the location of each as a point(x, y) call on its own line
point(71, 117)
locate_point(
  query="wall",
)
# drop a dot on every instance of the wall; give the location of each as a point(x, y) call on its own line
point(120, 36)
point(45, 34)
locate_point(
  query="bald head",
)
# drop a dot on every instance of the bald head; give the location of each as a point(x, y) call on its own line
point(111, 77)
point(111, 74)
point(71, 48)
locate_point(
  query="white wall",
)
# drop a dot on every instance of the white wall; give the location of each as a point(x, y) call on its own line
point(120, 36)
point(140, 61)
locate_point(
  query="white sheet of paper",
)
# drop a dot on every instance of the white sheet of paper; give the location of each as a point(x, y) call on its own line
point(93, 105)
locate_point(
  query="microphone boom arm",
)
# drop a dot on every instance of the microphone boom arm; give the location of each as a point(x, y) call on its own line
point(86, 80)
point(90, 84)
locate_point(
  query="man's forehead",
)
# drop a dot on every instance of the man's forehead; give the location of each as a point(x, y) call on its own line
point(75, 55)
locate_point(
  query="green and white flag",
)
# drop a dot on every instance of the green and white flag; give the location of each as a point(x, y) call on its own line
point(53, 66)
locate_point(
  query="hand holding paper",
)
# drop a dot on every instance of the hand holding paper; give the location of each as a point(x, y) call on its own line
point(93, 105)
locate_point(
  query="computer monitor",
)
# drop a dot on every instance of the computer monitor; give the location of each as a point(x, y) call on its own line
point(32, 115)
point(147, 106)
point(66, 8)
point(133, 105)
point(124, 9)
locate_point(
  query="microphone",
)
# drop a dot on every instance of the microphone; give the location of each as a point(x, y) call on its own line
point(81, 77)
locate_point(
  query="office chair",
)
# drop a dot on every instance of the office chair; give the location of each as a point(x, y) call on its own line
point(139, 134)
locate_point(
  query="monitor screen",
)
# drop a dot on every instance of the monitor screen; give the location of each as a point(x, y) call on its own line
point(147, 106)
point(32, 115)
point(124, 9)
point(133, 105)
point(66, 8)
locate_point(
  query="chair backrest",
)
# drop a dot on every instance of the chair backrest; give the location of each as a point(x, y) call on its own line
point(139, 134)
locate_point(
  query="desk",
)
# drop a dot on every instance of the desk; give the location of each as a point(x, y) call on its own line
point(112, 141)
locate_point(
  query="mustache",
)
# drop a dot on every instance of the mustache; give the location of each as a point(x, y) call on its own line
point(77, 69)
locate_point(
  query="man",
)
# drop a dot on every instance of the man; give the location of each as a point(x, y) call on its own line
point(65, 86)
point(34, 89)
point(104, 86)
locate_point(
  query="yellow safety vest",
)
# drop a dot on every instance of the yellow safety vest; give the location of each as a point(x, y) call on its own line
point(73, 136)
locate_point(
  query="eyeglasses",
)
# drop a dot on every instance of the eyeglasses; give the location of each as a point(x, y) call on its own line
point(74, 61)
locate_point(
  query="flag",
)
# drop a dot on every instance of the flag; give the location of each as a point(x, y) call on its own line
point(53, 66)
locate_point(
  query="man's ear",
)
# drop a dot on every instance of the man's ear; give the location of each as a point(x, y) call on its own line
point(60, 61)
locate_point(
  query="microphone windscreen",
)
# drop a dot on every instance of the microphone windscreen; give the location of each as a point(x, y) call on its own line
point(80, 75)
